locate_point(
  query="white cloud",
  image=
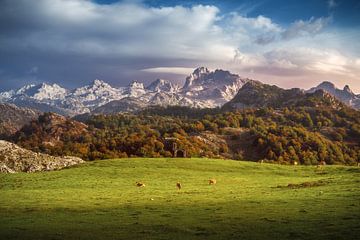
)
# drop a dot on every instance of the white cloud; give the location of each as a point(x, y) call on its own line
point(170, 70)
point(302, 61)
point(111, 39)
point(119, 30)
point(305, 28)
point(261, 30)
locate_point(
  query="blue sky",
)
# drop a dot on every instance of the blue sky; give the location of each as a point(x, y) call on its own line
point(345, 11)
point(71, 42)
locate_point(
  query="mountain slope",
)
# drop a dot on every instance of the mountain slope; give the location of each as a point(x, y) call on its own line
point(161, 85)
point(345, 95)
point(12, 118)
point(127, 104)
point(255, 94)
point(50, 130)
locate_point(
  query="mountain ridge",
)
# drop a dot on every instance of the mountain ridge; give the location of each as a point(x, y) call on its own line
point(202, 89)
point(208, 89)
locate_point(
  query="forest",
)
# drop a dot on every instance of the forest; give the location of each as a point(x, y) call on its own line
point(305, 135)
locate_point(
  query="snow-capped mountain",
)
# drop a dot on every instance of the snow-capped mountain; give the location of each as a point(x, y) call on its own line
point(135, 89)
point(203, 88)
point(95, 94)
point(345, 95)
point(161, 85)
point(217, 87)
point(39, 92)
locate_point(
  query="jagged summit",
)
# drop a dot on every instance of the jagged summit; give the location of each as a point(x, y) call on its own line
point(46, 91)
point(162, 85)
point(197, 75)
point(345, 95)
point(136, 84)
point(347, 89)
point(97, 83)
point(42, 91)
point(219, 85)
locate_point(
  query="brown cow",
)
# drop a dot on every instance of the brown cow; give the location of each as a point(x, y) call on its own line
point(178, 185)
point(212, 181)
point(140, 184)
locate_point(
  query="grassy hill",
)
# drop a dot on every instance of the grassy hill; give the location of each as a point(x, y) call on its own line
point(99, 200)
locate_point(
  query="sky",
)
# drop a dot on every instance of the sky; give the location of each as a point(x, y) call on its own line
point(72, 42)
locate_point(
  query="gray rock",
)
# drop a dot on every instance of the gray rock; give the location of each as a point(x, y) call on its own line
point(16, 159)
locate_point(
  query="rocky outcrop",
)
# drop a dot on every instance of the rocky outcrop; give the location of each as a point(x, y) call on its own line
point(16, 159)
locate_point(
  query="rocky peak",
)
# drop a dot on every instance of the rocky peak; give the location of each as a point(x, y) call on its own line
point(43, 91)
point(252, 84)
point(345, 95)
point(24, 88)
point(327, 85)
point(136, 85)
point(347, 89)
point(160, 85)
point(200, 70)
point(99, 83)
point(198, 74)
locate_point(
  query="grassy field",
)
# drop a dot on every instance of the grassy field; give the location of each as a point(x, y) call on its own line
point(99, 200)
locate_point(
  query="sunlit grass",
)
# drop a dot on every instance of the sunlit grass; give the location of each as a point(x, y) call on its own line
point(99, 200)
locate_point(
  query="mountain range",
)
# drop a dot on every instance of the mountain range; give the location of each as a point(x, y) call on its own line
point(202, 89)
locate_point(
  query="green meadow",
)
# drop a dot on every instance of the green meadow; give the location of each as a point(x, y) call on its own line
point(100, 200)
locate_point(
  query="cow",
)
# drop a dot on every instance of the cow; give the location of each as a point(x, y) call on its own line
point(212, 181)
point(178, 185)
point(140, 184)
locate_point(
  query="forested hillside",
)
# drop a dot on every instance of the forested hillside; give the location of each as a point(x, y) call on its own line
point(306, 134)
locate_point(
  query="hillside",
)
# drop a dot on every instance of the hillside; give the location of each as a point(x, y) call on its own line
point(262, 122)
point(15, 159)
point(99, 200)
point(255, 94)
point(309, 132)
point(49, 131)
point(12, 118)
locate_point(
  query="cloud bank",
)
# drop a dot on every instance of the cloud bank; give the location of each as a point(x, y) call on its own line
point(74, 41)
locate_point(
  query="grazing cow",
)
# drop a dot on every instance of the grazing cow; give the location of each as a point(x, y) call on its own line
point(140, 184)
point(321, 164)
point(178, 185)
point(212, 181)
